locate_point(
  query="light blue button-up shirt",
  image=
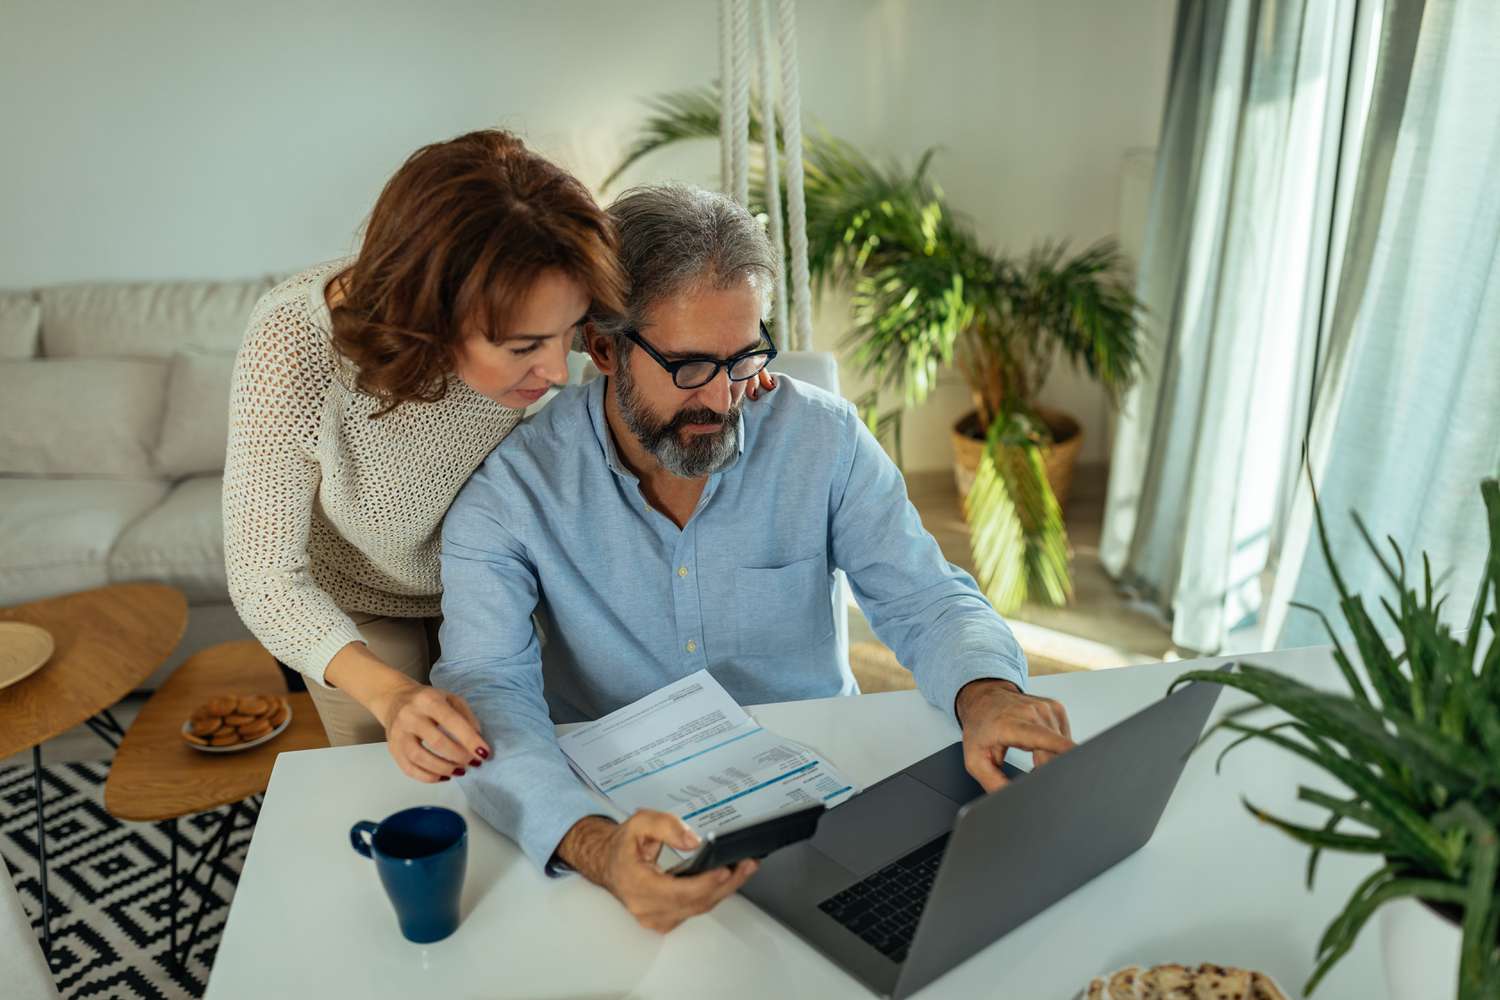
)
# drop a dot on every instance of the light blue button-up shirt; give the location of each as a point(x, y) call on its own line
point(554, 523)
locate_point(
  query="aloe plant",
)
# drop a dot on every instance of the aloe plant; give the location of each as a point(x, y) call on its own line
point(925, 294)
point(1416, 744)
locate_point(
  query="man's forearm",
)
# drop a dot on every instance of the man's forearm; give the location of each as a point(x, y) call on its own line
point(585, 847)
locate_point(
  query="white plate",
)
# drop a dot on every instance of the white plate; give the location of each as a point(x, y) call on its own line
point(236, 747)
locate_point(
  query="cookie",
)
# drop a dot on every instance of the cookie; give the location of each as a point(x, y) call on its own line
point(224, 739)
point(222, 705)
point(202, 741)
point(206, 725)
point(279, 714)
point(1167, 982)
point(254, 705)
point(256, 729)
point(1123, 985)
point(1261, 988)
point(1218, 982)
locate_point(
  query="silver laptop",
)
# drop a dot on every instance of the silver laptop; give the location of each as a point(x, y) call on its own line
point(913, 876)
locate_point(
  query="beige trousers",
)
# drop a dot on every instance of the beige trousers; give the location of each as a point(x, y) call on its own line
point(408, 644)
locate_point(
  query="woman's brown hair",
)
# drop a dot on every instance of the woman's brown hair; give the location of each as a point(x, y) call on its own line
point(457, 237)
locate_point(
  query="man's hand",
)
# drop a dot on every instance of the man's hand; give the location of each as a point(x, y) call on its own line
point(995, 716)
point(621, 857)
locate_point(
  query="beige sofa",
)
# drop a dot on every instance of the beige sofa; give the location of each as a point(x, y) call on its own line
point(113, 421)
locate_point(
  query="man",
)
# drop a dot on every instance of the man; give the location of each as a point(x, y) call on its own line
point(658, 528)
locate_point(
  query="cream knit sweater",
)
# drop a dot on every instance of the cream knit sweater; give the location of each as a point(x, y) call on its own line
point(326, 511)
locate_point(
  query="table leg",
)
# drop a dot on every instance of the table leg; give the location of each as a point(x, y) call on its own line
point(107, 728)
point(213, 853)
point(41, 849)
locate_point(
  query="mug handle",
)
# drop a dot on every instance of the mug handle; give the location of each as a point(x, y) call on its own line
point(359, 835)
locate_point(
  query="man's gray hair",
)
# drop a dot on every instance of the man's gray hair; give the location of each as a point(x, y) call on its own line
point(674, 238)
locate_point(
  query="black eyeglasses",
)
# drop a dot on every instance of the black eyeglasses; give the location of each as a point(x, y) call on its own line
point(690, 373)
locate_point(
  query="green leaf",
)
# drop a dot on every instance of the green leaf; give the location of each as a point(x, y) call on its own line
point(1320, 838)
point(1017, 537)
point(1479, 943)
point(1360, 911)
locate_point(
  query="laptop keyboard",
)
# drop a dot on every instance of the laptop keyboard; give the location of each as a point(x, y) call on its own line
point(883, 909)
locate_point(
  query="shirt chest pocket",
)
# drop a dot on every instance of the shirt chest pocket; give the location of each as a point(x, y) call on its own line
point(782, 609)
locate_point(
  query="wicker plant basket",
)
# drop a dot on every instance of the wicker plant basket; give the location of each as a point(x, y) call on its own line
point(1059, 457)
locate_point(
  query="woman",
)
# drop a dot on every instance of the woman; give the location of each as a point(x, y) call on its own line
point(366, 392)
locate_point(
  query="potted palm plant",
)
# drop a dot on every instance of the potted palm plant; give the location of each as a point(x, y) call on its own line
point(925, 295)
point(1416, 743)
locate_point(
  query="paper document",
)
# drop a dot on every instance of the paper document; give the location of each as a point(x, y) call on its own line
point(689, 749)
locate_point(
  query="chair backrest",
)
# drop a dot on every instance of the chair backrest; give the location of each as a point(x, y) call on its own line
point(821, 369)
point(26, 973)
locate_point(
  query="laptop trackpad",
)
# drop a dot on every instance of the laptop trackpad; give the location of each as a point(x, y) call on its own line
point(880, 825)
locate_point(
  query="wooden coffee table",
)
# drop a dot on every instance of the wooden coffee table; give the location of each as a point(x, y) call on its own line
point(107, 641)
point(156, 775)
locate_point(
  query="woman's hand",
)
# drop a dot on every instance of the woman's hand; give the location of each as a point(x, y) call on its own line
point(432, 734)
point(760, 384)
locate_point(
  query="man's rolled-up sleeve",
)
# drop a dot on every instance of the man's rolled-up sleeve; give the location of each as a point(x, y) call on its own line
point(930, 612)
point(491, 658)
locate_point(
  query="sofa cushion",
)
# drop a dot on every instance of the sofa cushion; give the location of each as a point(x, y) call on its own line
point(180, 542)
point(20, 319)
point(56, 534)
point(80, 416)
point(196, 425)
point(146, 320)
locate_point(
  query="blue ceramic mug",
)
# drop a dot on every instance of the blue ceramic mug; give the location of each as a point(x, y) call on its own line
point(420, 854)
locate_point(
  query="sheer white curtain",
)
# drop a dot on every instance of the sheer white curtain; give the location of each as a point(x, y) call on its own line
point(1407, 414)
point(1323, 266)
point(1237, 244)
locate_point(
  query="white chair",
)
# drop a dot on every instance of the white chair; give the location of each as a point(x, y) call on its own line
point(26, 974)
point(821, 369)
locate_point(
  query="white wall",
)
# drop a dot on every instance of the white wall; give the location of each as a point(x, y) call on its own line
point(218, 140)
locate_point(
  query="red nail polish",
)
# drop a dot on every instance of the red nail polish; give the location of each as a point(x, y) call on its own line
point(458, 772)
point(474, 762)
point(483, 753)
point(444, 778)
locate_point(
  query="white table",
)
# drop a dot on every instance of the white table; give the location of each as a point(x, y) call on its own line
point(310, 919)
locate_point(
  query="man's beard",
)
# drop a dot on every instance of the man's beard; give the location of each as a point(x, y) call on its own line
point(701, 455)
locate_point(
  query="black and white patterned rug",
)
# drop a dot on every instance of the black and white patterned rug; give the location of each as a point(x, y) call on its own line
point(110, 885)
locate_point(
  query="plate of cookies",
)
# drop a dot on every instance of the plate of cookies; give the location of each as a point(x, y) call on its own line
point(230, 723)
point(1183, 982)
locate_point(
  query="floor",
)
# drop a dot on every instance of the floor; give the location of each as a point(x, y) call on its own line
point(1100, 629)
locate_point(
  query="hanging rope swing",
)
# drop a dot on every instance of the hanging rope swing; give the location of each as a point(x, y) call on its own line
point(775, 25)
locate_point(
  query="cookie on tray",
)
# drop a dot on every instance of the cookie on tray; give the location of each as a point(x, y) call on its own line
point(1125, 984)
point(1220, 982)
point(227, 720)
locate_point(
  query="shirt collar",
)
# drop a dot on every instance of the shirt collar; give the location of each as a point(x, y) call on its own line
point(607, 441)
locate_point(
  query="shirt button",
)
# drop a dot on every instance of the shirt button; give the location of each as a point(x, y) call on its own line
point(682, 571)
point(692, 647)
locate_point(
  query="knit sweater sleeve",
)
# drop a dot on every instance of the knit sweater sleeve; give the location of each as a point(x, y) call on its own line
point(271, 475)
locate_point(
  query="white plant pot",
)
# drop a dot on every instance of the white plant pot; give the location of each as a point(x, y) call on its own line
point(1421, 951)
